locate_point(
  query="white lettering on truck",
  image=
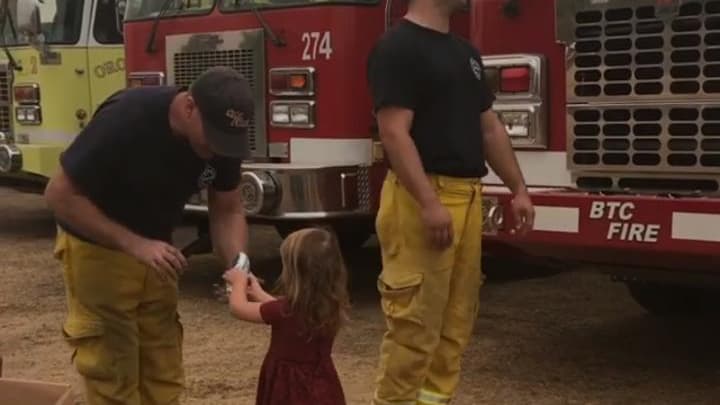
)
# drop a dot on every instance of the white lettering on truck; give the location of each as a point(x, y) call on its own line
point(621, 227)
point(316, 43)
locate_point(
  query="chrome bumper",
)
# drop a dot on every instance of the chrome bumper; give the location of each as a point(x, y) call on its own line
point(10, 156)
point(293, 191)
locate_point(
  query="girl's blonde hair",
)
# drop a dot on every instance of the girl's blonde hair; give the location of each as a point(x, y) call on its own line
point(314, 280)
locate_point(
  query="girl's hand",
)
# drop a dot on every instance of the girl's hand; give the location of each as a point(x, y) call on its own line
point(235, 277)
point(255, 290)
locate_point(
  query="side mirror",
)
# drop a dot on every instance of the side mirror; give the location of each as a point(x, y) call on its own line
point(28, 22)
point(120, 6)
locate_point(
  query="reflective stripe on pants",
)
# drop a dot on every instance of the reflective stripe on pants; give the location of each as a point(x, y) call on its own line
point(427, 397)
point(429, 297)
point(122, 325)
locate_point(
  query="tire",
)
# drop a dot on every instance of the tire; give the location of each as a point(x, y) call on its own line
point(673, 301)
point(351, 235)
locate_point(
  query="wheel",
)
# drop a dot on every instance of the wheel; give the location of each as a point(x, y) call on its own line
point(668, 300)
point(351, 235)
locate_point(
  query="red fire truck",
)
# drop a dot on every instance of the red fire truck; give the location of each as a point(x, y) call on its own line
point(613, 106)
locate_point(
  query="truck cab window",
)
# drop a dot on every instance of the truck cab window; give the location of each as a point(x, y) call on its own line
point(61, 22)
point(105, 27)
point(143, 9)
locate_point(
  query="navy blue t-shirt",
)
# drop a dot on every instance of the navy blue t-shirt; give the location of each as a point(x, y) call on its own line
point(440, 77)
point(128, 162)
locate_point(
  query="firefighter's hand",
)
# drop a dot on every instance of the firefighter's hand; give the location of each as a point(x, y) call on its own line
point(167, 260)
point(438, 223)
point(524, 213)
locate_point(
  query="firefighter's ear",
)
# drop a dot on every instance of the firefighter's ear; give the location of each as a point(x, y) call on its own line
point(190, 106)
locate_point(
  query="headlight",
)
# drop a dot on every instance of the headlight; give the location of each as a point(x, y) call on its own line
point(300, 114)
point(523, 123)
point(293, 114)
point(260, 192)
point(28, 115)
point(517, 123)
point(280, 114)
point(10, 158)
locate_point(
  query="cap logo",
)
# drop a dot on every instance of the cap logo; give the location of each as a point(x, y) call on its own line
point(476, 68)
point(237, 118)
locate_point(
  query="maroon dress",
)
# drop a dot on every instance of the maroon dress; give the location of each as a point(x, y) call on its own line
point(296, 371)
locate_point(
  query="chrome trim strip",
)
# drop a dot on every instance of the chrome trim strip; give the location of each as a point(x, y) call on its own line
point(203, 209)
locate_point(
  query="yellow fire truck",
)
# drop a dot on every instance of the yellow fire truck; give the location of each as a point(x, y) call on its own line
point(59, 60)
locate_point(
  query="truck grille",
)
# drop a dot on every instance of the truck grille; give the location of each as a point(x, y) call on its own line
point(189, 55)
point(682, 137)
point(189, 66)
point(631, 52)
point(643, 87)
point(5, 99)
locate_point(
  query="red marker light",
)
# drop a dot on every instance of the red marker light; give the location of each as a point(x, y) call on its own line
point(291, 81)
point(515, 79)
point(27, 94)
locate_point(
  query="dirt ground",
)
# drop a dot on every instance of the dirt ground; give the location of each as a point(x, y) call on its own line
point(574, 338)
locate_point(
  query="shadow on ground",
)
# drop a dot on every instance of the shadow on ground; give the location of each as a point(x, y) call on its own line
point(23, 217)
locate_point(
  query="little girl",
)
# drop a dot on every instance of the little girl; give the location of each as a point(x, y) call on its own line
point(298, 367)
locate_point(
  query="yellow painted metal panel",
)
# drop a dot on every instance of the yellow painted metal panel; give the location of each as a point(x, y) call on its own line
point(69, 94)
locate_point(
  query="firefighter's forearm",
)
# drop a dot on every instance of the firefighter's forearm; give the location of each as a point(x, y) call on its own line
point(229, 235)
point(406, 163)
point(502, 159)
point(500, 154)
point(228, 229)
point(78, 212)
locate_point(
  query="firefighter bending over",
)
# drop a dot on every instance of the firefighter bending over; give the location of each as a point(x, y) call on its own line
point(121, 189)
point(436, 123)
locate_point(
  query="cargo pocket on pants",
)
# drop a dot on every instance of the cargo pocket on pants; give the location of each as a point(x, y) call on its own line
point(91, 356)
point(399, 295)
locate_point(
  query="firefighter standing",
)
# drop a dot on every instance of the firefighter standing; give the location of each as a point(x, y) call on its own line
point(434, 114)
point(121, 189)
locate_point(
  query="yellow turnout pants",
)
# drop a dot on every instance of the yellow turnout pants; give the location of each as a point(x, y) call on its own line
point(123, 326)
point(429, 297)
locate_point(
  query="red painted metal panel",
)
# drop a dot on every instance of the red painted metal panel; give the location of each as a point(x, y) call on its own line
point(594, 233)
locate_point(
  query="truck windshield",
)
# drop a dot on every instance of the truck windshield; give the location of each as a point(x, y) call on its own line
point(235, 5)
point(144, 9)
point(61, 23)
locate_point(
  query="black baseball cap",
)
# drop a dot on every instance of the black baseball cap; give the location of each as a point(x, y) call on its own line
point(225, 101)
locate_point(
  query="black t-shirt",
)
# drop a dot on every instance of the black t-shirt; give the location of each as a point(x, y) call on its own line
point(128, 162)
point(440, 77)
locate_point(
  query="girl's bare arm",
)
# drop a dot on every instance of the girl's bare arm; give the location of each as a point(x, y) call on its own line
point(240, 307)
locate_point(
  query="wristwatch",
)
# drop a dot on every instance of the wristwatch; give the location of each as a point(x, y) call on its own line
point(242, 263)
